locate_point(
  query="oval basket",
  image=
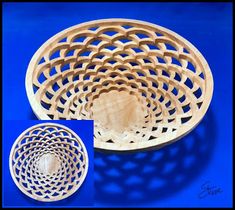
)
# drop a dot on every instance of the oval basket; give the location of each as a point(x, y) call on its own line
point(144, 85)
point(48, 162)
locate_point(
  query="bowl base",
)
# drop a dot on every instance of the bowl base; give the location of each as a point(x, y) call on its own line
point(48, 164)
point(119, 111)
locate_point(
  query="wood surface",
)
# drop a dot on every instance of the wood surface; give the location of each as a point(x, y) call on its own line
point(48, 162)
point(144, 85)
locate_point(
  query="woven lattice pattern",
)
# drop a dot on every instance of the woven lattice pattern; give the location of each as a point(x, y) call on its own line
point(162, 78)
point(48, 162)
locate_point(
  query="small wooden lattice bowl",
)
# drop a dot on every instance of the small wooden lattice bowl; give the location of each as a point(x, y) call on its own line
point(144, 85)
point(48, 162)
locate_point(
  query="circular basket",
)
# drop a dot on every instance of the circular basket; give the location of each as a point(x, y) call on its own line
point(144, 85)
point(48, 162)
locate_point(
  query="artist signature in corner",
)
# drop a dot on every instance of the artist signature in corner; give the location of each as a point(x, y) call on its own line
point(208, 189)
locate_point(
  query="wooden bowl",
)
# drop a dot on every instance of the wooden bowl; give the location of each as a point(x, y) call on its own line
point(48, 162)
point(144, 85)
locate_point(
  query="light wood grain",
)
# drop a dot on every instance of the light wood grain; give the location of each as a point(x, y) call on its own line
point(48, 162)
point(118, 111)
point(144, 85)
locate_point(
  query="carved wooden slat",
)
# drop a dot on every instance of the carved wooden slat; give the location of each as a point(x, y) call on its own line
point(144, 85)
point(48, 162)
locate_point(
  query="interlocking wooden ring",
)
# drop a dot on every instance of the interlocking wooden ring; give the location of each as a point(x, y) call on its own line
point(144, 85)
point(48, 162)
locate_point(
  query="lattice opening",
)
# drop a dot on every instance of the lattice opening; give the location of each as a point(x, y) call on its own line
point(48, 162)
point(139, 60)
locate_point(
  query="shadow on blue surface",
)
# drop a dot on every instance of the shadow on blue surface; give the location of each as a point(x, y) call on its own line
point(32, 116)
point(139, 178)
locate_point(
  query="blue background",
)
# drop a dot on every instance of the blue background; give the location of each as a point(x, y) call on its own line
point(13, 197)
point(172, 176)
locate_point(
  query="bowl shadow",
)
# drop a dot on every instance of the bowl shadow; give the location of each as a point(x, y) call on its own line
point(32, 116)
point(143, 177)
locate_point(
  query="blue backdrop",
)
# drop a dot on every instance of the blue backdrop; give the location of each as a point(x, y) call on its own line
point(13, 197)
point(174, 175)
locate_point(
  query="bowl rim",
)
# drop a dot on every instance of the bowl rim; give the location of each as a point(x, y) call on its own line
point(154, 143)
point(56, 198)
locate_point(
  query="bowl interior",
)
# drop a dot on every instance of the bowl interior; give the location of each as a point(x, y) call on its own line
point(138, 81)
point(48, 162)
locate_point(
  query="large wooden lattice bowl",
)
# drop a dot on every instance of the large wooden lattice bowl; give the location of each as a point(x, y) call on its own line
point(48, 162)
point(144, 85)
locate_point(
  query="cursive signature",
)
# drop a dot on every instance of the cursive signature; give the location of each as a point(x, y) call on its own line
point(208, 189)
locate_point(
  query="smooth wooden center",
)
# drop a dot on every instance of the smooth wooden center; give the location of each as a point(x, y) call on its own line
point(48, 164)
point(118, 110)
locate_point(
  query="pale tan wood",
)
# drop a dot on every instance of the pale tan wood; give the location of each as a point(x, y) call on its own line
point(144, 85)
point(48, 162)
point(118, 116)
